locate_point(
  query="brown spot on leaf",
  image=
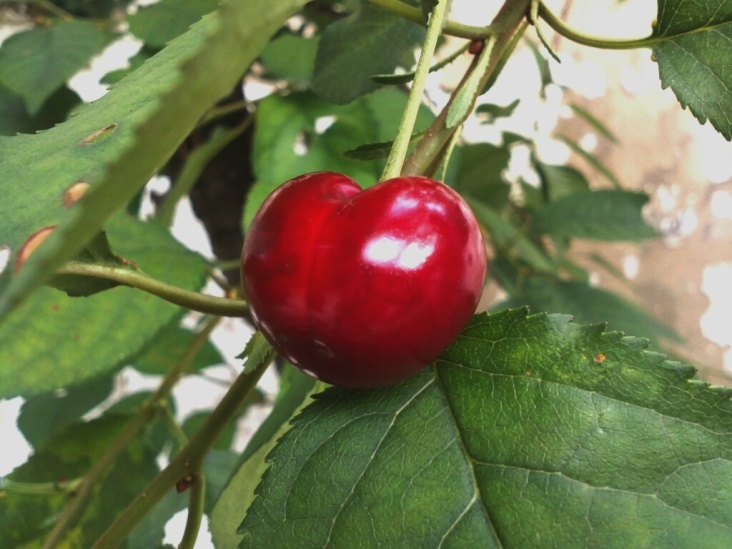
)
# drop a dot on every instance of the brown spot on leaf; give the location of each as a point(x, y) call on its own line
point(99, 135)
point(75, 192)
point(30, 246)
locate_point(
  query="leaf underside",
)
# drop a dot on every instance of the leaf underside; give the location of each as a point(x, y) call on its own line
point(529, 431)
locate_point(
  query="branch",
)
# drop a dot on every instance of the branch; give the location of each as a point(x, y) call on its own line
point(187, 461)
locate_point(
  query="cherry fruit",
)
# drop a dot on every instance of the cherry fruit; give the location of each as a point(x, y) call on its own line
point(362, 288)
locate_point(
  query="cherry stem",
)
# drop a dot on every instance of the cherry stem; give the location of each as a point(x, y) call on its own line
point(188, 461)
point(126, 276)
point(151, 408)
point(509, 22)
point(398, 152)
point(451, 28)
point(592, 41)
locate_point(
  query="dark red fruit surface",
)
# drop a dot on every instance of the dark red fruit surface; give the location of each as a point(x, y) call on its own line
point(362, 288)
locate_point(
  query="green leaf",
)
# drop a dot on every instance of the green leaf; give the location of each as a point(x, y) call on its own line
point(160, 23)
point(35, 63)
point(134, 62)
point(398, 79)
point(529, 431)
point(117, 143)
point(291, 57)
point(295, 387)
point(510, 239)
point(286, 122)
point(542, 65)
point(44, 415)
point(368, 42)
point(592, 160)
point(67, 340)
point(489, 112)
point(258, 353)
point(599, 126)
point(372, 151)
point(591, 305)
point(467, 93)
point(692, 52)
point(218, 467)
point(66, 457)
point(15, 118)
point(169, 347)
point(479, 169)
point(560, 181)
point(96, 252)
point(596, 215)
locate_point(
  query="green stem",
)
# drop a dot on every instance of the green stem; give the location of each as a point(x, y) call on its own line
point(187, 461)
point(39, 488)
point(185, 298)
point(509, 22)
point(221, 111)
point(398, 152)
point(196, 501)
point(592, 41)
point(397, 7)
point(148, 411)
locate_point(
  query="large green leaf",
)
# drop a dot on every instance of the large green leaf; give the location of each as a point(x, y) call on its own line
point(693, 52)
point(597, 215)
point(57, 340)
point(37, 62)
point(530, 431)
point(370, 41)
point(117, 143)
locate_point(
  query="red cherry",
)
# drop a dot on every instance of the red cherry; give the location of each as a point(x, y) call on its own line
point(362, 288)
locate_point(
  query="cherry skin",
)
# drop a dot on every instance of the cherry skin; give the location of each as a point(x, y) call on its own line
point(362, 288)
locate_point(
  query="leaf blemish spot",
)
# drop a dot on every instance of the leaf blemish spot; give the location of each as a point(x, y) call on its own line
point(30, 245)
point(99, 135)
point(599, 358)
point(75, 192)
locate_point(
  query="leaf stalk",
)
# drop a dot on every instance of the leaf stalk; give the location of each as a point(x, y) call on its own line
point(126, 276)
